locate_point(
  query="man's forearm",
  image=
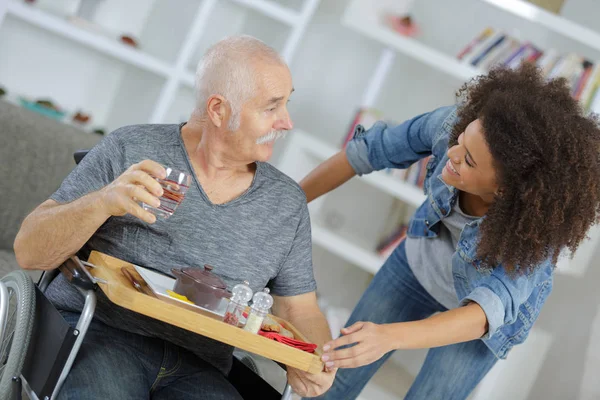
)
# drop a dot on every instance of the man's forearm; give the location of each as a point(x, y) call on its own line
point(327, 176)
point(314, 326)
point(53, 232)
point(454, 326)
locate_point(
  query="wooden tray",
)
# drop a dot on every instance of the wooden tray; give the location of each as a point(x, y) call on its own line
point(120, 291)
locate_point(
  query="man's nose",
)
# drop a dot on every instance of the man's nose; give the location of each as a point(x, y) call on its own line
point(284, 123)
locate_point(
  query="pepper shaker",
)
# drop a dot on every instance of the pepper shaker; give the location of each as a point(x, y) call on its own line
point(241, 295)
point(261, 303)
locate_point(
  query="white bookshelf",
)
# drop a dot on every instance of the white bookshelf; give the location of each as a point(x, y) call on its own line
point(367, 260)
point(172, 41)
point(363, 17)
point(533, 22)
point(553, 22)
point(272, 10)
point(96, 41)
point(404, 191)
point(306, 149)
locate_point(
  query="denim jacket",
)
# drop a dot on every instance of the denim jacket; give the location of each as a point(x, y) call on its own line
point(511, 305)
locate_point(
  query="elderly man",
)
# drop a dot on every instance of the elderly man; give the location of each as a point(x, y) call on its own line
point(240, 215)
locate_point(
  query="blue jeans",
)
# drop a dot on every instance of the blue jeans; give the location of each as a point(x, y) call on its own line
point(395, 295)
point(114, 364)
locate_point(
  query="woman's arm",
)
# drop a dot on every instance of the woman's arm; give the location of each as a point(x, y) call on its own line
point(454, 326)
point(327, 176)
point(372, 341)
point(380, 147)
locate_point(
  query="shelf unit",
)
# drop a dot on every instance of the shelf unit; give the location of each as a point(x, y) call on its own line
point(174, 75)
point(364, 18)
point(301, 145)
point(395, 187)
point(108, 46)
point(345, 249)
point(553, 22)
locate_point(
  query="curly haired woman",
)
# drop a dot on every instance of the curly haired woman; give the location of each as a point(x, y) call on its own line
point(513, 179)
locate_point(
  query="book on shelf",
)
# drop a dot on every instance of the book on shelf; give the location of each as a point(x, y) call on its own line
point(365, 117)
point(389, 243)
point(414, 175)
point(492, 48)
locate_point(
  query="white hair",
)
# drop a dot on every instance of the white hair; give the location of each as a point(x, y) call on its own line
point(227, 69)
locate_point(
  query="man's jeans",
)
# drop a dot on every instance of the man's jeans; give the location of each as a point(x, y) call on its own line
point(114, 364)
point(395, 295)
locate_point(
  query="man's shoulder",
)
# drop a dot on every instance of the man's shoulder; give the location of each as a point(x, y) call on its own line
point(144, 133)
point(278, 178)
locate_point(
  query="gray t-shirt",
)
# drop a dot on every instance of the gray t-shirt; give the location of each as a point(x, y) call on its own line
point(263, 236)
point(430, 259)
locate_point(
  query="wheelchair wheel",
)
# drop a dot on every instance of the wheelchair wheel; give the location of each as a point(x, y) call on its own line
point(17, 329)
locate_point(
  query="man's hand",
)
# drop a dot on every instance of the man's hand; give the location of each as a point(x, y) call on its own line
point(371, 342)
point(135, 184)
point(310, 385)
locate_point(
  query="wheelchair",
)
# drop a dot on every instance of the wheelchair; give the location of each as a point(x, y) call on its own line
point(38, 347)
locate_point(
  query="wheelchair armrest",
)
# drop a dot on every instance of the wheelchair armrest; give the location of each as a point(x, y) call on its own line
point(79, 154)
point(76, 273)
point(47, 278)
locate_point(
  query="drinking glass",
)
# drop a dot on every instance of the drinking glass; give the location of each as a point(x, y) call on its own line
point(175, 185)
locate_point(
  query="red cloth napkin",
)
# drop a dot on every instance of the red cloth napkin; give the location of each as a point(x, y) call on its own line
point(298, 344)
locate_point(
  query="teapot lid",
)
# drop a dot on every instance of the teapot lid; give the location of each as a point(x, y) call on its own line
point(204, 276)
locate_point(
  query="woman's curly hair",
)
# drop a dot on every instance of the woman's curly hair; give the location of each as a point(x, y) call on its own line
point(546, 156)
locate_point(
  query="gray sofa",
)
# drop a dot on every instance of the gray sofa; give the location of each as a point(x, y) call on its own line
point(35, 156)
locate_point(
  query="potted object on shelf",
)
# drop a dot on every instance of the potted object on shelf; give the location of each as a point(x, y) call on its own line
point(129, 40)
point(403, 24)
point(201, 287)
point(81, 117)
point(43, 106)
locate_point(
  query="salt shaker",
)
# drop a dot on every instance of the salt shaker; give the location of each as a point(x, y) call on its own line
point(241, 295)
point(261, 303)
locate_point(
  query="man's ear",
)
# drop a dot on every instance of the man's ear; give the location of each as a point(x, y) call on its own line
point(217, 109)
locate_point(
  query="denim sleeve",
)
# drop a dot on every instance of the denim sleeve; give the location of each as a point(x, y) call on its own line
point(383, 146)
point(500, 295)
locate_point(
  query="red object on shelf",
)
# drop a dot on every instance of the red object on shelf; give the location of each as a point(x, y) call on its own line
point(402, 24)
point(81, 117)
point(128, 40)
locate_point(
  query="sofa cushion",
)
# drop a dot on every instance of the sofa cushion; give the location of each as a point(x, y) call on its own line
point(8, 263)
point(35, 156)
